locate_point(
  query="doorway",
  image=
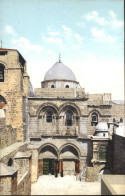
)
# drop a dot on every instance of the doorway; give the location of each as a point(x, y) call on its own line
point(48, 166)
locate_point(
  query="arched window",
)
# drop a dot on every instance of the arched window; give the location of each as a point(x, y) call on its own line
point(2, 72)
point(2, 101)
point(94, 120)
point(67, 86)
point(52, 86)
point(69, 115)
point(102, 153)
point(10, 162)
point(48, 117)
point(121, 120)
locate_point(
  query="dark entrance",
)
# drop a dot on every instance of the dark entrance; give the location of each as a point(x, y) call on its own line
point(48, 166)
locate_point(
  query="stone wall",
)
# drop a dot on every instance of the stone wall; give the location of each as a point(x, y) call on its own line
point(38, 125)
point(10, 151)
point(8, 185)
point(24, 185)
point(5, 182)
point(7, 134)
point(118, 158)
point(92, 173)
point(68, 167)
point(13, 89)
point(118, 111)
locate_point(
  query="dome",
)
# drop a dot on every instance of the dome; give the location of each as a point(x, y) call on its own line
point(59, 72)
point(102, 126)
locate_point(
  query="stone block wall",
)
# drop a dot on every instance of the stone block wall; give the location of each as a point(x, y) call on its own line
point(23, 167)
point(5, 182)
point(7, 134)
point(12, 90)
point(92, 173)
point(118, 111)
point(8, 185)
point(24, 185)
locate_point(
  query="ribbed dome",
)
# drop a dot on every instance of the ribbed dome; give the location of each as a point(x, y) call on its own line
point(102, 126)
point(59, 72)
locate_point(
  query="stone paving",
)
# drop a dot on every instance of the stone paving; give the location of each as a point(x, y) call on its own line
point(67, 185)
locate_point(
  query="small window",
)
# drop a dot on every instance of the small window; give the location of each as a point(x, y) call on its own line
point(104, 134)
point(69, 115)
point(113, 119)
point(10, 162)
point(49, 117)
point(52, 86)
point(121, 120)
point(67, 86)
point(2, 73)
point(94, 120)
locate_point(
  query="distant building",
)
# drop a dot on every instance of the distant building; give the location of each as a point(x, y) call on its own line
point(57, 129)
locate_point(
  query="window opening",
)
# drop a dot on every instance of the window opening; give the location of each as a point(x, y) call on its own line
point(49, 117)
point(102, 153)
point(94, 121)
point(67, 86)
point(121, 120)
point(69, 115)
point(10, 162)
point(52, 86)
point(2, 73)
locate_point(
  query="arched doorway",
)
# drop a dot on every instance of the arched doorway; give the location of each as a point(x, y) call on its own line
point(48, 160)
point(69, 158)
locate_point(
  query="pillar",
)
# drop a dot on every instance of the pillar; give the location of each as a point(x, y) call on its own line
point(40, 167)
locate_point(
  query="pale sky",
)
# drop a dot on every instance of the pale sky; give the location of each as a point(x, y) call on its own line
point(87, 33)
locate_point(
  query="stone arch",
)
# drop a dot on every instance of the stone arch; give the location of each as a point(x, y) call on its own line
point(3, 101)
point(70, 146)
point(4, 64)
point(47, 104)
point(94, 111)
point(73, 107)
point(48, 146)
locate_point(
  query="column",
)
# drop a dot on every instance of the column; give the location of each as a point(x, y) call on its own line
point(40, 167)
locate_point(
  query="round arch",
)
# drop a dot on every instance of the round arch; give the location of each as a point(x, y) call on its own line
point(72, 146)
point(2, 99)
point(47, 104)
point(4, 64)
point(70, 105)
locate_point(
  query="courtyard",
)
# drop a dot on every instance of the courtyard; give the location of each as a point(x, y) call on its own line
point(67, 185)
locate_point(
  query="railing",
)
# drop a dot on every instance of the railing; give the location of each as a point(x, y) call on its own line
point(81, 174)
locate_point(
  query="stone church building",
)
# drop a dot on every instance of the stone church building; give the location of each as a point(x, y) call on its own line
point(57, 129)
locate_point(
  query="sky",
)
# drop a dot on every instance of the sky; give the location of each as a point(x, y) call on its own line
point(88, 34)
